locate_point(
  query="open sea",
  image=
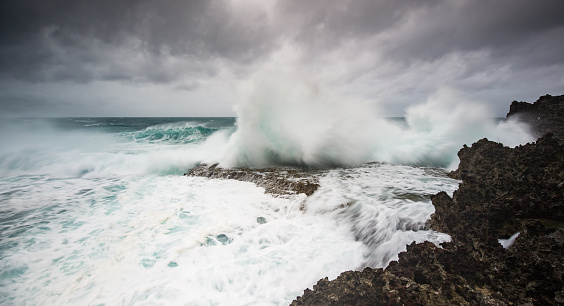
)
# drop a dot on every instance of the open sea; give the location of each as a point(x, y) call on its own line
point(96, 211)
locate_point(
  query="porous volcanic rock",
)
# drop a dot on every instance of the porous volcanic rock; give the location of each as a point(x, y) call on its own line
point(505, 191)
point(502, 188)
point(276, 181)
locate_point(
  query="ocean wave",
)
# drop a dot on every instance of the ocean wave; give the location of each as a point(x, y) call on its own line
point(174, 133)
point(286, 120)
point(39, 147)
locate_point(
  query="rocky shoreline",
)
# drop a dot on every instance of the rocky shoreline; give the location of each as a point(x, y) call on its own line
point(504, 192)
point(509, 196)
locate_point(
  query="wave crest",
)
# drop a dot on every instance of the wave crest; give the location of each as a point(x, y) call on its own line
point(173, 133)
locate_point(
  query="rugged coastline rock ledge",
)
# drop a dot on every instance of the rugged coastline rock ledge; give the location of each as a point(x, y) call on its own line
point(278, 182)
point(513, 197)
point(506, 221)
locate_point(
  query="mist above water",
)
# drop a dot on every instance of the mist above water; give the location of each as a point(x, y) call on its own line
point(285, 120)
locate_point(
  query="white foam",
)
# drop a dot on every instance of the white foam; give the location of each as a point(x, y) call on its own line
point(159, 241)
point(507, 243)
point(385, 206)
point(287, 119)
point(172, 240)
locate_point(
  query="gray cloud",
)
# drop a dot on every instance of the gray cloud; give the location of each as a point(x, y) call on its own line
point(83, 40)
point(428, 29)
point(398, 51)
point(86, 40)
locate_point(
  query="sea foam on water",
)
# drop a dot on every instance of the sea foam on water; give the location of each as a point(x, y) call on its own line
point(95, 210)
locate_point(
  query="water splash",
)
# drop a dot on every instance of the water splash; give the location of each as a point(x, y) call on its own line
point(285, 119)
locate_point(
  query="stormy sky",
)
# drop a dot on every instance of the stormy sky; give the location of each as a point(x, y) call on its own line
point(184, 58)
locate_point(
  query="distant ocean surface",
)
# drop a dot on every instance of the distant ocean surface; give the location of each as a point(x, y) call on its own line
point(95, 211)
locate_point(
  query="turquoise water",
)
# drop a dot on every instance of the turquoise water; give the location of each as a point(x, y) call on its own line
point(95, 211)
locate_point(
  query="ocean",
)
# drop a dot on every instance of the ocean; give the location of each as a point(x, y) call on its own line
point(96, 211)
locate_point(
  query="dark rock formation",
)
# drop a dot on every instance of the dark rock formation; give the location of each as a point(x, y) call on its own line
point(503, 188)
point(424, 275)
point(545, 115)
point(277, 181)
point(503, 191)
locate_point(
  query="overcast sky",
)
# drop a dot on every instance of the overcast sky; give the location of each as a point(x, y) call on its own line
point(184, 58)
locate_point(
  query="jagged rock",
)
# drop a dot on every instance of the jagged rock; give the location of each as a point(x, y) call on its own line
point(503, 191)
point(277, 181)
point(423, 275)
point(503, 188)
point(545, 115)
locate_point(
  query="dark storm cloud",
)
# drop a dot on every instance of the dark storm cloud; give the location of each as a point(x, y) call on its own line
point(158, 41)
point(427, 30)
point(496, 50)
point(395, 50)
point(148, 40)
point(502, 27)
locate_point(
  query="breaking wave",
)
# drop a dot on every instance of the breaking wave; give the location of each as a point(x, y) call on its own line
point(175, 133)
point(285, 120)
point(102, 147)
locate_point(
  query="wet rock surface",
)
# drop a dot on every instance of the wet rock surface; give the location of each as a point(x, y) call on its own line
point(503, 191)
point(276, 181)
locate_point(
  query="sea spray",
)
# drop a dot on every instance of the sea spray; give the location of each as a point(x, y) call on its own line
point(436, 129)
point(285, 119)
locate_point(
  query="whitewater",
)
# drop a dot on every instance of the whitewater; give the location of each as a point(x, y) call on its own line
point(96, 211)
